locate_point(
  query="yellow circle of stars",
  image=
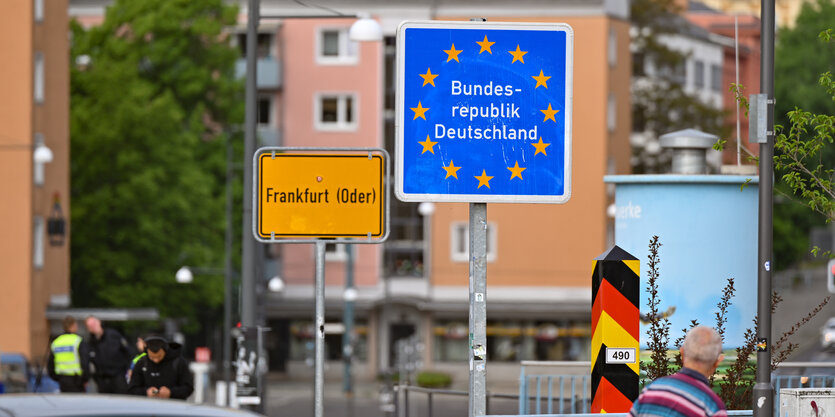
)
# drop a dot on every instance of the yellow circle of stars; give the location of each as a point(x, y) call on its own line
point(428, 145)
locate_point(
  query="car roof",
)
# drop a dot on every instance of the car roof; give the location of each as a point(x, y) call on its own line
point(72, 405)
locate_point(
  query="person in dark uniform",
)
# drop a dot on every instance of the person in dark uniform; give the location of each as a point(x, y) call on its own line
point(162, 372)
point(69, 358)
point(110, 355)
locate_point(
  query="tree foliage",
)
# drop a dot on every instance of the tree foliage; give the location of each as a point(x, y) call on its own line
point(659, 102)
point(152, 90)
point(799, 150)
point(799, 63)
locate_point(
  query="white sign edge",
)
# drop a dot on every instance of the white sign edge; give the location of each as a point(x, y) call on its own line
point(400, 106)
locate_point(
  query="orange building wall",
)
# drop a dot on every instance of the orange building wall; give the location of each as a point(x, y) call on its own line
point(552, 245)
point(27, 290)
point(16, 173)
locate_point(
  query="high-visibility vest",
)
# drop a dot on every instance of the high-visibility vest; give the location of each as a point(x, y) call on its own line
point(65, 350)
point(136, 359)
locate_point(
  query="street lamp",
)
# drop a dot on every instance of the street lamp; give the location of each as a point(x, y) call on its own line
point(184, 275)
point(276, 284)
point(365, 29)
point(42, 154)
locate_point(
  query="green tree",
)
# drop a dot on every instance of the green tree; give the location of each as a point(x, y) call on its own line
point(659, 103)
point(152, 92)
point(800, 60)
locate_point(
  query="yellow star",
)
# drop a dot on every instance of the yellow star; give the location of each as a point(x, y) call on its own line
point(483, 179)
point(541, 79)
point(516, 171)
point(517, 55)
point(549, 113)
point(452, 53)
point(428, 145)
point(485, 45)
point(540, 147)
point(420, 111)
point(429, 77)
point(451, 170)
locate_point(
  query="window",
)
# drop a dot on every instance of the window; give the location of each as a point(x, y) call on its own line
point(39, 78)
point(38, 168)
point(460, 242)
point(264, 48)
point(335, 112)
point(39, 231)
point(613, 47)
point(335, 47)
point(265, 111)
point(335, 252)
point(699, 74)
point(716, 77)
point(638, 64)
point(611, 112)
point(39, 10)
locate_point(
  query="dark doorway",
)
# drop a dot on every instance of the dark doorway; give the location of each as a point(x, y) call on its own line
point(398, 331)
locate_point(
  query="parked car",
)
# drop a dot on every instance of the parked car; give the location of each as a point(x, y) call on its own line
point(828, 334)
point(18, 375)
point(96, 405)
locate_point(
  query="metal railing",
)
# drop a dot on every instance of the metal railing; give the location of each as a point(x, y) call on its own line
point(432, 394)
point(555, 394)
point(573, 394)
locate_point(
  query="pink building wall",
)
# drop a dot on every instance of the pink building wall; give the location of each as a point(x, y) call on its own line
point(303, 79)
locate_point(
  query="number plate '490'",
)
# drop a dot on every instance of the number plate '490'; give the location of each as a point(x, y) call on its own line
point(620, 355)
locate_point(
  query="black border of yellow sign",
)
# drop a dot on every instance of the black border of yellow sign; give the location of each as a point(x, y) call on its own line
point(323, 219)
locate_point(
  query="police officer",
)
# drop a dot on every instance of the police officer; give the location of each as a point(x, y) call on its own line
point(69, 358)
point(110, 355)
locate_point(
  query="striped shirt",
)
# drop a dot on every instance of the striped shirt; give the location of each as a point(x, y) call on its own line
point(684, 394)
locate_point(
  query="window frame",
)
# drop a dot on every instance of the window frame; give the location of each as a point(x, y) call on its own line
point(341, 125)
point(271, 123)
point(698, 74)
point(455, 241)
point(39, 81)
point(338, 254)
point(38, 10)
point(347, 52)
point(716, 77)
point(38, 241)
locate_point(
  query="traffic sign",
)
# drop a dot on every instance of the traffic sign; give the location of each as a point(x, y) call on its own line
point(484, 112)
point(309, 195)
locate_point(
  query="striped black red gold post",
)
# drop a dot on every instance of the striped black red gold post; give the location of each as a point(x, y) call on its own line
point(615, 331)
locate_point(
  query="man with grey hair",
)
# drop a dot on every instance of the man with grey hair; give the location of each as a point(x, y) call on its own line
point(687, 393)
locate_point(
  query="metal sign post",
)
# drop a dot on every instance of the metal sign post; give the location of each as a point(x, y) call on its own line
point(478, 309)
point(319, 382)
point(483, 115)
point(319, 196)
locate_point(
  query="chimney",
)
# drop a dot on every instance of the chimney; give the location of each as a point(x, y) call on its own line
point(689, 148)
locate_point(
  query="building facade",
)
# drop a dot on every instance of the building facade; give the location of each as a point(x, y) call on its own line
point(319, 89)
point(34, 167)
point(416, 283)
point(739, 36)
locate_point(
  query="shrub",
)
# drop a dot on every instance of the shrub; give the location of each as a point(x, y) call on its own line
point(432, 379)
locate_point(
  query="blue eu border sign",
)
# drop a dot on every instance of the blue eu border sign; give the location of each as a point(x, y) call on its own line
point(484, 112)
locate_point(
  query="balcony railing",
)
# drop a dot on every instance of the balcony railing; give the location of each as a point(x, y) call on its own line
point(269, 72)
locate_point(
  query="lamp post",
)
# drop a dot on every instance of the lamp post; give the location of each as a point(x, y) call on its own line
point(763, 393)
point(365, 29)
